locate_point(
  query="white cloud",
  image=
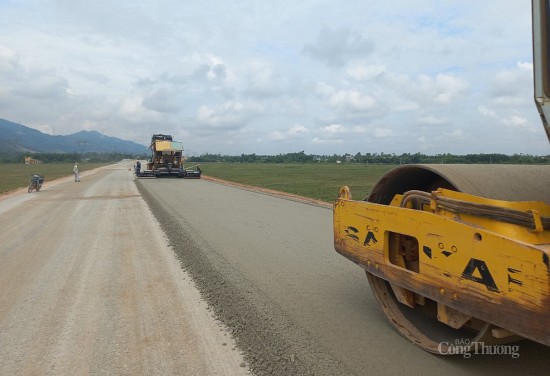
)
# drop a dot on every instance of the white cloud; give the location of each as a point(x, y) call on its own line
point(298, 131)
point(515, 121)
point(508, 119)
point(333, 129)
point(324, 89)
point(263, 80)
point(525, 66)
point(327, 141)
point(448, 88)
point(331, 134)
point(359, 129)
point(363, 72)
point(382, 133)
point(8, 59)
point(457, 133)
point(44, 87)
point(231, 77)
point(162, 100)
point(441, 89)
point(351, 100)
point(229, 115)
point(335, 46)
point(133, 111)
point(487, 112)
point(432, 120)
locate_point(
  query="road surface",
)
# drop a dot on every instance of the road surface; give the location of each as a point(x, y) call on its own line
point(268, 269)
point(89, 285)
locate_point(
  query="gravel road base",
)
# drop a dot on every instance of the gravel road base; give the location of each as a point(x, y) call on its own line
point(270, 342)
point(90, 286)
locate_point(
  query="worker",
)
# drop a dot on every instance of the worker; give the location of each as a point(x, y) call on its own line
point(76, 173)
point(138, 167)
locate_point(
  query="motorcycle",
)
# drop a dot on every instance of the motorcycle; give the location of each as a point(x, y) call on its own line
point(36, 183)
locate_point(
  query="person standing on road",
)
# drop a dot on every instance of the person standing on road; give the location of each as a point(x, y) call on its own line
point(76, 173)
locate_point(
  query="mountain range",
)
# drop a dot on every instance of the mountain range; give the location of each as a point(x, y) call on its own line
point(19, 138)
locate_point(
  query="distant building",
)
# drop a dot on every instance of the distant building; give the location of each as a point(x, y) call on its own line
point(29, 160)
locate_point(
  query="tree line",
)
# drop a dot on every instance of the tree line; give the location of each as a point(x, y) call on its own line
point(297, 157)
point(376, 158)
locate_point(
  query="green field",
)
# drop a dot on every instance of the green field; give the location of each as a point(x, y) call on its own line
point(319, 181)
point(17, 175)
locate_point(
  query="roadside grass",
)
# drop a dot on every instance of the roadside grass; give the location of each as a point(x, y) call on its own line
point(320, 181)
point(18, 175)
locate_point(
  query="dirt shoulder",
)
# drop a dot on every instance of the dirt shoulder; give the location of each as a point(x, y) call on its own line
point(271, 192)
point(90, 285)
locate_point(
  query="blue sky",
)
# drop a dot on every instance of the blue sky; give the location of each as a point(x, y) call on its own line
point(275, 77)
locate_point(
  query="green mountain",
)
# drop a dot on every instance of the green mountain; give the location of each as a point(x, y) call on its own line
point(19, 138)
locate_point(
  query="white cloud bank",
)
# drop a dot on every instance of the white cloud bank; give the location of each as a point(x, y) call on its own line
point(273, 77)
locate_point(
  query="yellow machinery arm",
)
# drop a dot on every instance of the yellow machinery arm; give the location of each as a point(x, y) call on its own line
point(459, 252)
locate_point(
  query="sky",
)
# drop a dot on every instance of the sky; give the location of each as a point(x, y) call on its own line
point(273, 77)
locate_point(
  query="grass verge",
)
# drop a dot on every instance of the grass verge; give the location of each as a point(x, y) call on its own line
point(18, 175)
point(320, 181)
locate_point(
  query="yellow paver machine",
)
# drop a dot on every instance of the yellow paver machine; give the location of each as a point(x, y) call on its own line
point(459, 253)
point(167, 160)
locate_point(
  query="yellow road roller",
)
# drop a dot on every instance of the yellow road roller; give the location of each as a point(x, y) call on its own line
point(459, 253)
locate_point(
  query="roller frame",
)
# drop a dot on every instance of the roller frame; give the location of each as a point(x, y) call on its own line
point(473, 267)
